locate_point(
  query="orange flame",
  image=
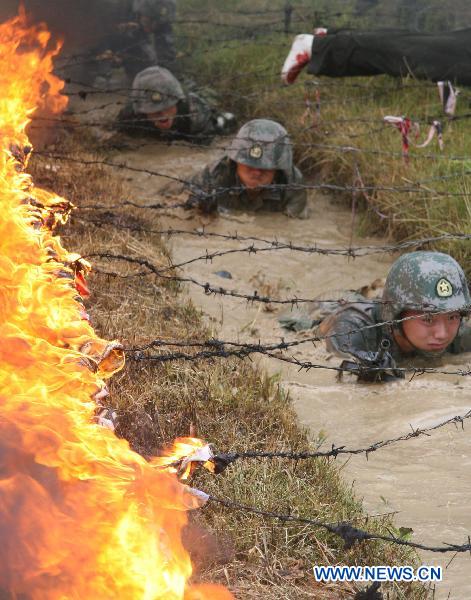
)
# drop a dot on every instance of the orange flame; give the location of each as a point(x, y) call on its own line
point(81, 515)
point(183, 448)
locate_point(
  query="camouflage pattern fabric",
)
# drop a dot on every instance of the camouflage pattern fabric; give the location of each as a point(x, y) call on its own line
point(262, 144)
point(155, 89)
point(423, 278)
point(160, 11)
point(217, 187)
point(313, 313)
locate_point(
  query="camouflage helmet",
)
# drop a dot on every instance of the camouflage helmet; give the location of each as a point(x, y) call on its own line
point(262, 144)
point(428, 281)
point(162, 11)
point(155, 89)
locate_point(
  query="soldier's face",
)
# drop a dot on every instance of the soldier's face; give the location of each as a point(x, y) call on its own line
point(253, 178)
point(431, 333)
point(163, 119)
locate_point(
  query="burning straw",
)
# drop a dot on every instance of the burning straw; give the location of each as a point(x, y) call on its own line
point(81, 515)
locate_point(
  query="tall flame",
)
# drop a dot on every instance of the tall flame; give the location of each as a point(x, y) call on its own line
point(81, 515)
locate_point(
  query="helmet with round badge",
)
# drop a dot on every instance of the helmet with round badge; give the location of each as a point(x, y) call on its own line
point(262, 144)
point(162, 11)
point(155, 89)
point(424, 280)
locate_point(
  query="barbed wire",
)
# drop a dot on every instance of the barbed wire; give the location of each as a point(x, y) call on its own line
point(204, 139)
point(301, 103)
point(259, 28)
point(350, 252)
point(338, 148)
point(242, 26)
point(219, 191)
point(373, 11)
point(219, 290)
point(353, 251)
point(113, 123)
point(345, 530)
point(374, 90)
point(258, 71)
point(255, 297)
point(138, 124)
point(93, 55)
point(207, 287)
point(397, 86)
point(347, 149)
point(283, 345)
point(223, 460)
point(154, 206)
point(299, 363)
point(107, 163)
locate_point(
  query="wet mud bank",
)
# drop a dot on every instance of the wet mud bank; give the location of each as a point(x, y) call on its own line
point(425, 480)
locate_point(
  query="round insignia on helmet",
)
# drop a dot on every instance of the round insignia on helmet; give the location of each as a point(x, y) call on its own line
point(163, 11)
point(444, 288)
point(156, 97)
point(256, 151)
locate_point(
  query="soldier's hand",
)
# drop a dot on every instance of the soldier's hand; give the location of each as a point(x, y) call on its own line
point(376, 368)
point(373, 366)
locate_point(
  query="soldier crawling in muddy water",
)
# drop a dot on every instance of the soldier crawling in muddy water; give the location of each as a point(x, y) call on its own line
point(145, 40)
point(160, 108)
point(257, 173)
point(420, 316)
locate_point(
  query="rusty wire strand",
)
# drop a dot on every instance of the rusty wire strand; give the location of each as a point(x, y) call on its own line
point(346, 531)
point(219, 290)
point(228, 349)
point(415, 188)
point(301, 364)
point(230, 457)
point(352, 251)
point(112, 123)
point(319, 146)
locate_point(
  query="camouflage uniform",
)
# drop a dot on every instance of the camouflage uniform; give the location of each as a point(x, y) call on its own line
point(261, 144)
point(159, 47)
point(428, 281)
point(134, 49)
point(155, 89)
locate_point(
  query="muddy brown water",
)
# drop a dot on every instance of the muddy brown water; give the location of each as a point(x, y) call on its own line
point(425, 480)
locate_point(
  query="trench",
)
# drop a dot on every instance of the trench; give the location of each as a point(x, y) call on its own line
point(424, 480)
